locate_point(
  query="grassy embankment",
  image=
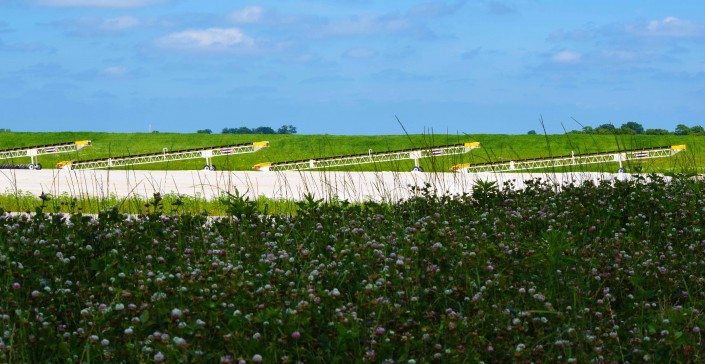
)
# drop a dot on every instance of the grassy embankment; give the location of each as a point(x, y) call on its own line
point(495, 147)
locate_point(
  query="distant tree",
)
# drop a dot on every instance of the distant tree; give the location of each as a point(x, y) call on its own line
point(606, 129)
point(657, 132)
point(240, 130)
point(697, 130)
point(626, 131)
point(588, 130)
point(204, 131)
point(532, 132)
point(681, 130)
point(632, 125)
point(263, 130)
point(287, 129)
point(3, 130)
point(155, 131)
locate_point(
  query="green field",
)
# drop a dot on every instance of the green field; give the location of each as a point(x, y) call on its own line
point(495, 147)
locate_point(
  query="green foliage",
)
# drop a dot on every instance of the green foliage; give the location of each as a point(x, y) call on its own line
point(286, 129)
point(239, 205)
point(264, 130)
point(485, 193)
point(657, 132)
point(606, 129)
point(681, 129)
point(634, 127)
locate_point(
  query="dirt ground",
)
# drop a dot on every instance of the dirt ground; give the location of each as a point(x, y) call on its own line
point(353, 186)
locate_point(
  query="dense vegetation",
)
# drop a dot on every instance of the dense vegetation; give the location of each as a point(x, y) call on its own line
point(632, 127)
point(291, 147)
point(607, 272)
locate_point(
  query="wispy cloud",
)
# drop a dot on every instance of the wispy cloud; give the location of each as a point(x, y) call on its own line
point(367, 25)
point(248, 15)
point(5, 28)
point(115, 71)
point(103, 24)
point(99, 3)
point(668, 27)
point(360, 53)
point(46, 70)
point(628, 33)
point(119, 23)
point(437, 9)
point(473, 53)
point(580, 35)
point(566, 57)
point(397, 75)
point(25, 47)
point(501, 8)
point(211, 39)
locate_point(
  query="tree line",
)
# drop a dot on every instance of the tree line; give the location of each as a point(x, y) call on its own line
point(633, 127)
point(284, 129)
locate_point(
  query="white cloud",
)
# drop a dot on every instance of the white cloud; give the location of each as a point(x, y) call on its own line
point(99, 3)
point(669, 27)
point(109, 24)
point(115, 71)
point(566, 57)
point(206, 39)
point(248, 15)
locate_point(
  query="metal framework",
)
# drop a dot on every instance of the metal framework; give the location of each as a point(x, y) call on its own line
point(166, 156)
point(572, 160)
point(34, 151)
point(370, 157)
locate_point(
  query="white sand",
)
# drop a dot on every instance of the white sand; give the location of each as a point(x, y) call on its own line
point(353, 186)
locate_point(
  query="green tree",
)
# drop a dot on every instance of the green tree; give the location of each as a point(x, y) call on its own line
point(204, 131)
point(632, 125)
point(606, 129)
point(681, 129)
point(697, 130)
point(287, 129)
point(626, 131)
point(657, 132)
point(263, 130)
point(532, 132)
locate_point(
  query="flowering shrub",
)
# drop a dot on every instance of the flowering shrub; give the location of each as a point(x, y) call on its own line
point(584, 272)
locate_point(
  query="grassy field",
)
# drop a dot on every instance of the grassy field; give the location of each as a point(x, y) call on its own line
point(495, 147)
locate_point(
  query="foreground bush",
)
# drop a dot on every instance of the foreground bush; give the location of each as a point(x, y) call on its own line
point(584, 273)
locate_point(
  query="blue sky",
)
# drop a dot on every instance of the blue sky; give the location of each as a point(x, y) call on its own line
point(350, 66)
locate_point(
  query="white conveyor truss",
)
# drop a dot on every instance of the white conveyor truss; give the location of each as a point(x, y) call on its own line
point(572, 160)
point(34, 151)
point(370, 157)
point(166, 156)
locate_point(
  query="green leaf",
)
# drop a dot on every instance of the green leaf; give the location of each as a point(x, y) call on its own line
point(144, 317)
